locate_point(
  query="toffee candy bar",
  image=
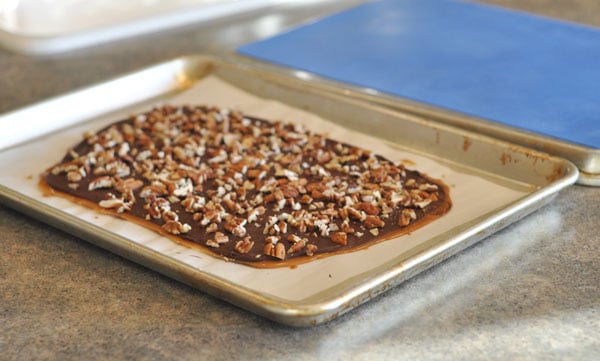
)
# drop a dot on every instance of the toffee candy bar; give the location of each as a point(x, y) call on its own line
point(250, 190)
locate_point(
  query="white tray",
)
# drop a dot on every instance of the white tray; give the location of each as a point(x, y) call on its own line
point(52, 26)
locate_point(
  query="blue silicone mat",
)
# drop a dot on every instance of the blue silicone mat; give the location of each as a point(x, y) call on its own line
point(518, 69)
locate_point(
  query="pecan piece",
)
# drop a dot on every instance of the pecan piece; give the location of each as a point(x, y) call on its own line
point(117, 204)
point(244, 246)
point(212, 228)
point(311, 249)
point(373, 222)
point(293, 238)
point(355, 214)
point(169, 216)
point(269, 249)
point(289, 191)
point(176, 227)
point(236, 226)
point(340, 238)
point(369, 208)
point(305, 199)
point(193, 203)
point(406, 216)
point(256, 173)
point(275, 250)
point(212, 243)
point(280, 251)
point(221, 238)
point(128, 185)
point(346, 227)
point(231, 205)
point(239, 231)
point(74, 176)
point(297, 246)
point(101, 182)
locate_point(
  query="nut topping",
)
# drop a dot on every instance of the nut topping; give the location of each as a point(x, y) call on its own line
point(373, 222)
point(175, 227)
point(407, 216)
point(245, 245)
point(221, 238)
point(228, 181)
point(339, 238)
point(117, 204)
point(311, 249)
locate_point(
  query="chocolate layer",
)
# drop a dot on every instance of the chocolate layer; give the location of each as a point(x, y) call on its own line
point(245, 188)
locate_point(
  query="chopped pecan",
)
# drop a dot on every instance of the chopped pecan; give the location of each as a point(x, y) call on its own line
point(212, 243)
point(193, 203)
point(297, 246)
point(293, 238)
point(275, 250)
point(255, 173)
point(406, 217)
point(221, 238)
point(373, 222)
point(117, 204)
point(289, 191)
point(176, 227)
point(244, 246)
point(354, 213)
point(369, 208)
point(347, 228)
point(311, 249)
point(74, 176)
point(170, 216)
point(101, 182)
point(280, 251)
point(128, 185)
point(340, 238)
point(305, 199)
point(212, 228)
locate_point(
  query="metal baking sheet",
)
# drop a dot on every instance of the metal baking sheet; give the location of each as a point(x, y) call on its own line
point(492, 183)
point(586, 158)
point(41, 27)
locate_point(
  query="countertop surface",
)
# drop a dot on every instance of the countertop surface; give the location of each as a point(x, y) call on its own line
point(530, 291)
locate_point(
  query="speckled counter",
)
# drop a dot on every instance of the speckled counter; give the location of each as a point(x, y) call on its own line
point(531, 291)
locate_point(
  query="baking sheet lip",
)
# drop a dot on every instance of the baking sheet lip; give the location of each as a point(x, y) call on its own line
point(589, 179)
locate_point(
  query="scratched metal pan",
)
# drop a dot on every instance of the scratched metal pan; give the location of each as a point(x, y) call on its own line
point(585, 157)
point(492, 183)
